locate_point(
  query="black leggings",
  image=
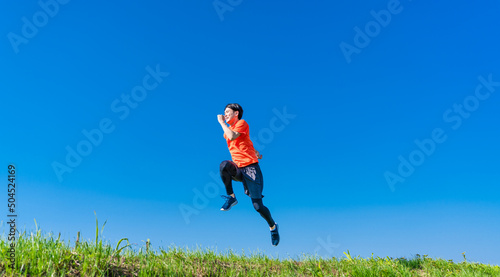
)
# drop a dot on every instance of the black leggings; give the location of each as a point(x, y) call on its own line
point(263, 211)
point(228, 172)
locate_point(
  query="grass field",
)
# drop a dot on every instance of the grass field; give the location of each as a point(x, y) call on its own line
point(39, 254)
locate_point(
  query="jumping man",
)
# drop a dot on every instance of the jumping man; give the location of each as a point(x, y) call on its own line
point(244, 166)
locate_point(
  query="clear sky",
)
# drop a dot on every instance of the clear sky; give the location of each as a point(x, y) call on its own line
point(377, 121)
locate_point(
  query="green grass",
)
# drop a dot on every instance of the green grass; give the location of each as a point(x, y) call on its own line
point(40, 254)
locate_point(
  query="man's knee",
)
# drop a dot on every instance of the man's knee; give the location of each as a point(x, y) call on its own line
point(223, 165)
point(257, 204)
point(231, 168)
point(227, 166)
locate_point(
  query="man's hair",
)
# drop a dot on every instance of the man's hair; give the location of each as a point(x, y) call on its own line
point(235, 107)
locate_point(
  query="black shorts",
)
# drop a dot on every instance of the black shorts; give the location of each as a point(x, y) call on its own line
point(252, 179)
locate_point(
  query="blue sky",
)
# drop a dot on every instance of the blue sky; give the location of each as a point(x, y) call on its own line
point(415, 98)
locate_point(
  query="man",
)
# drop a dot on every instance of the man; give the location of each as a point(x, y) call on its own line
point(244, 166)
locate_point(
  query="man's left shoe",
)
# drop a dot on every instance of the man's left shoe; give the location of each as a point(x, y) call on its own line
point(275, 236)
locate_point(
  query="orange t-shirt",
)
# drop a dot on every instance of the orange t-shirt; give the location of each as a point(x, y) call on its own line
point(241, 149)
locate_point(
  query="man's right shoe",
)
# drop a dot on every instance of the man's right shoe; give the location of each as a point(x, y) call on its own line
point(275, 236)
point(230, 202)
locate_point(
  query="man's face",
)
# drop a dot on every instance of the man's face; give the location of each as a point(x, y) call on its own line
point(229, 115)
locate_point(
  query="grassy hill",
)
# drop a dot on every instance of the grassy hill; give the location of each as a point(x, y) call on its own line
point(38, 254)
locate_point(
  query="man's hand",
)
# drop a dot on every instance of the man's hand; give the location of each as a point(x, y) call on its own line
point(259, 156)
point(220, 117)
point(231, 135)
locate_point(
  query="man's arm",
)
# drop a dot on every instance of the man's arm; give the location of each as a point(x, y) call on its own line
point(230, 134)
point(259, 156)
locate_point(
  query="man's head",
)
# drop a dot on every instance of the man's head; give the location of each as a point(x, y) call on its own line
point(231, 112)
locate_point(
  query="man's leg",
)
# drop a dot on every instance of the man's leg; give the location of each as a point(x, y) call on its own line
point(263, 211)
point(228, 172)
point(254, 181)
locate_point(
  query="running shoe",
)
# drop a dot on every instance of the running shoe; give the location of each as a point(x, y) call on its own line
point(230, 202)
point(275, 236)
